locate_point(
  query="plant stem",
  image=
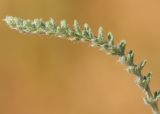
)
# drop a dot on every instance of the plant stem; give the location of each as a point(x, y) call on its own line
point(38, 26)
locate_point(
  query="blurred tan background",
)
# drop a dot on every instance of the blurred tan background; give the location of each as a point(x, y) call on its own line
point(47, 75)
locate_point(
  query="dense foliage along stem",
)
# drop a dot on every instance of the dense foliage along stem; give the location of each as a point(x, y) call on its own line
point(38, 26)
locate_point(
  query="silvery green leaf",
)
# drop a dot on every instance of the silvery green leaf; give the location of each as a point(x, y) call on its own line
point(100, 37)
point(19, 23)
point(146, 81)
point(157, 95)
point(121, 47)
point(142, 64)
point(86, 32)
point(130, 57)
point(28, 26)
point(50, 26)
point(76, 26)
point(76, 29)
point(40, 25)
point(10, 21)
point(63, 24)
point(110, 39)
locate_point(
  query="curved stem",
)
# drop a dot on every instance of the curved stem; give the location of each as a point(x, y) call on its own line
point(38, 26)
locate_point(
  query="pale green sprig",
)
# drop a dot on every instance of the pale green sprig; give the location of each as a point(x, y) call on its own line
point(38, 26)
